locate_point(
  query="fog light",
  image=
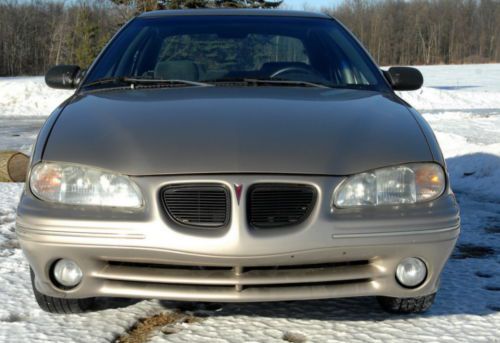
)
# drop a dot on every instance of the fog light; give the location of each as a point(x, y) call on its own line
point(67, 273)
point(411, 272)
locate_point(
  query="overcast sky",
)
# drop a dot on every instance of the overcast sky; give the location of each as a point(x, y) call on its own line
point(311, 4)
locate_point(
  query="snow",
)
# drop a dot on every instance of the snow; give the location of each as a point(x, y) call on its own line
point(431, 98)
point(28, 97)
point(461, 103)
point(472, 77)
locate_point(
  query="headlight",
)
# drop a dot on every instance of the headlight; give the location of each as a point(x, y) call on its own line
point(79, 185)
point(405, 184)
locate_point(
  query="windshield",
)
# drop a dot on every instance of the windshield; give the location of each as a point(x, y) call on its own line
point(225, 49)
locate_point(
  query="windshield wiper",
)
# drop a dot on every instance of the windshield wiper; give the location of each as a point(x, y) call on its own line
point(291, 83)
point(268, 82)
point(120, 82)
point(172, 82)
point(105, 81)
point(134, 82)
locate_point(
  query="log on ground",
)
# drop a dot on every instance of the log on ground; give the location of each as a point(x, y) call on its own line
point(13, 166)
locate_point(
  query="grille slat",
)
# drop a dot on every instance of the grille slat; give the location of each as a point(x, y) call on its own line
point(279, 205)
point(197, 205)
point(251, 276)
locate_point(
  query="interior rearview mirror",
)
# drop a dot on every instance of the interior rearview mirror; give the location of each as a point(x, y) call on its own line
point(404, 78)
point(63, 76)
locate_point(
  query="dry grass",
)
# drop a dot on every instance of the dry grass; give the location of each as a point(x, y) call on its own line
point(142, 330)
point(10, 244)
point(294, 337)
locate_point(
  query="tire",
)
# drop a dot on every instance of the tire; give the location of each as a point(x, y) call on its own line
point(60, 305)
point(406, 305)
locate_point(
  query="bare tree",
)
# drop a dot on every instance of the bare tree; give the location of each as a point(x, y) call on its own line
point(425, 31)
point(35, 34)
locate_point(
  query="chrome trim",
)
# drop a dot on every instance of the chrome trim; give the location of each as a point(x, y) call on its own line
point(395, 234)
point(29, 234)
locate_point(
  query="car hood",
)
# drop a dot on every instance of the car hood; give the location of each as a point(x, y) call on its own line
point(236, 130)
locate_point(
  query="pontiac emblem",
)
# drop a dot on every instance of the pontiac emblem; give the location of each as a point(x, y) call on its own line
point(238, 188)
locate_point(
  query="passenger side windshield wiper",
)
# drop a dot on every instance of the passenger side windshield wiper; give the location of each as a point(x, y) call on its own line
point(267, 82)
point(138, 82)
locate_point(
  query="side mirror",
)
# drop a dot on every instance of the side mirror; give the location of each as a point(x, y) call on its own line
point(63, 76)
point(404, 78)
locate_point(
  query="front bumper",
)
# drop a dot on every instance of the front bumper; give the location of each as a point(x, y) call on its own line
point(335, 253)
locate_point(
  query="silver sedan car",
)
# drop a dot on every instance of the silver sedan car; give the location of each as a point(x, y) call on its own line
point(236, 156)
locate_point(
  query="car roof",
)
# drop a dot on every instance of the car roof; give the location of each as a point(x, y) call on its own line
point(232, 12)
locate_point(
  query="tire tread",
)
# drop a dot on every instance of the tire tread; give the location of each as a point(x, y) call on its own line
point(407, 305)
point(60, 305)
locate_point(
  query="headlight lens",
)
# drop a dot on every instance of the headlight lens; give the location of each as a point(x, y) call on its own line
point(405, 184)
point(79, 185)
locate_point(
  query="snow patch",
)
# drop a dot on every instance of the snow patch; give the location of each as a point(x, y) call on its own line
point(428, 98)
point(29, 97)
point(461, 103)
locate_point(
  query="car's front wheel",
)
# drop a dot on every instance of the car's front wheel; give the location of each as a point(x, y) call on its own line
point(407, 305)
point(60, 305)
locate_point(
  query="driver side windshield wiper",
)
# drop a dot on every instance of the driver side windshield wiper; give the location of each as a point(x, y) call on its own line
point(267, 82)
point(137, 82)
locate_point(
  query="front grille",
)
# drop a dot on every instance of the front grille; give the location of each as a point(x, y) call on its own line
point(238, 283)
point(241, 278)
point(197, 205)
point(279, 205)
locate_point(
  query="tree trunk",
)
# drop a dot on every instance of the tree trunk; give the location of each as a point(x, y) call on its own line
point(13, 166)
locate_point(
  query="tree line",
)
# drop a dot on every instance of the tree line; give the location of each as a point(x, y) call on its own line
point(425, 31)
point(36, 34)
